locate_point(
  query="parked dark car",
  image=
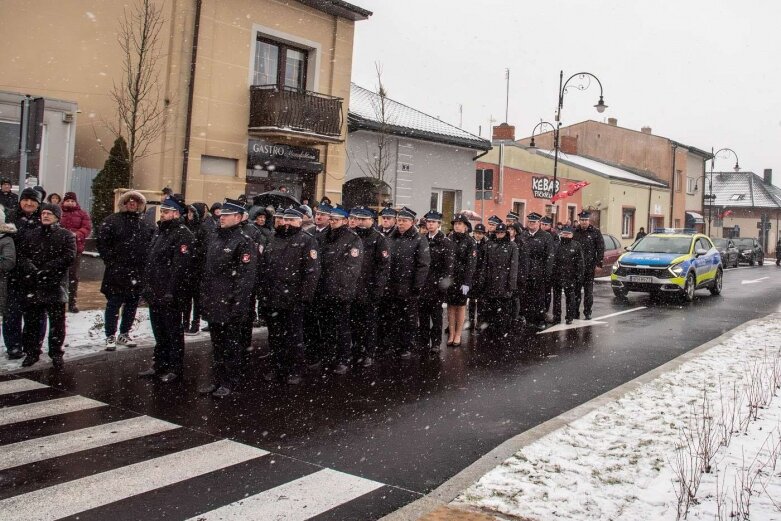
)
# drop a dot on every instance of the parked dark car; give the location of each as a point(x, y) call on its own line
point(613, 251)
point(729, 252)
point(750, 251)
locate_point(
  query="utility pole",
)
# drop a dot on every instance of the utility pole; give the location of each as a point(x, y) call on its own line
point(507, 97)
point(23, 143)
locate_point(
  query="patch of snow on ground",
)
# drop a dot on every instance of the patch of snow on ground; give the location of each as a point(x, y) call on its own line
point(616, 462)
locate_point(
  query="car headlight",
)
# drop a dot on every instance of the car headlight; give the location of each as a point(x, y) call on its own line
point(677, 269)
point(616, 266)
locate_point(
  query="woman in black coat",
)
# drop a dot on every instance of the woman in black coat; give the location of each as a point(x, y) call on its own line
point(463, 272)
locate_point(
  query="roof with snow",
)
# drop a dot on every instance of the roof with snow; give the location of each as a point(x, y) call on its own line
point(600, 168)
point(744, 189)
point(400, 120)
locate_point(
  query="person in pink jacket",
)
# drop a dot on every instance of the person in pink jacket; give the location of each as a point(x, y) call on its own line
point(77, 221)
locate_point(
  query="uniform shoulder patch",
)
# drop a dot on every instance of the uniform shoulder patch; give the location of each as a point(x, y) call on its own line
point(245, 258)
point(354, 252)
point(385, 253)
point(474, 253)
point(183, 248)
point(313, 254)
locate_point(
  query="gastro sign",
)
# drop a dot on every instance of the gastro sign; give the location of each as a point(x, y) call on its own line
point(542, 187)
point(264, 155)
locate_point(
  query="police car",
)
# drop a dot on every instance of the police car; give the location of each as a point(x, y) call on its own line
point(669, 261)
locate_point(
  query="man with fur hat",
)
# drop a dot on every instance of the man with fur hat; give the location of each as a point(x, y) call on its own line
point(166, 288)
point(123, 243)
point(8, 199)
point(26, 217)
point(77, 221)
point(44, 259)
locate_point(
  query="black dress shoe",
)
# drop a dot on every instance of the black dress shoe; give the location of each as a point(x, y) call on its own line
point(57, 362)
point(167, 378)
point(221, 392)
point(15, 354)
point(556, 320)
point(341, 369)
point(30, 360)
point(147, 373)
point(587, 316)
point(569, 321)
point(207, 389)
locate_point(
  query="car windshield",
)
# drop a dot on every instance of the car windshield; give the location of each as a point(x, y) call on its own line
point(657, 244)
point(720, 243)
point(744, 243)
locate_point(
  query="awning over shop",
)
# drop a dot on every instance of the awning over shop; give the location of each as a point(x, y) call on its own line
point(694, 218)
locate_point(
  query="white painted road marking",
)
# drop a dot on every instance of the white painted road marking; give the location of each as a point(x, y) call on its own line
point(296, 500)
point(754, 281)
point(587, 323)
point(33, 411)
point(39, 449)
point(72, 497)
point(19, 386)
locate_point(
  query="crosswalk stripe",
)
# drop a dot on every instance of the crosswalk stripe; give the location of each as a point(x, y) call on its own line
point(20, 385)
point(39, 449)
point(76, 496)
point(33, 411)
point(297, 500)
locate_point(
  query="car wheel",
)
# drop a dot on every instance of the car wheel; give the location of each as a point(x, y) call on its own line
point(620, 292)
point(718, 281)
point(688, 289)
point(761, 261)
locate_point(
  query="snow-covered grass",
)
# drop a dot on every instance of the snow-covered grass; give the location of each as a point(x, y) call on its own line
point(708, 432)
point(84, 336)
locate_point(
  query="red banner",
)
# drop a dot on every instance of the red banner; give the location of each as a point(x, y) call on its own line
point(572, 188)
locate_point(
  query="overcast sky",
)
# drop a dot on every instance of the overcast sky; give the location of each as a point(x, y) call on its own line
point(704, 73)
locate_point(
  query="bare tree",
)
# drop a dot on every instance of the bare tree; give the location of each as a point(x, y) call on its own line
point(140, 112)
point(378, 161)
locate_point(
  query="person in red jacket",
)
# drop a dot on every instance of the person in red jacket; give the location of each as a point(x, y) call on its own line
point(77, 221)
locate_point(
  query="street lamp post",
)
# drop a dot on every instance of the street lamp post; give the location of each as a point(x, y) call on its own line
point(710, 196)
point(600, 106)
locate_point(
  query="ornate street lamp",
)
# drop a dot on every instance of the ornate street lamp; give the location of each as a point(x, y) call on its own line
point(540, 126)
point(710, 196)
point(583, 82)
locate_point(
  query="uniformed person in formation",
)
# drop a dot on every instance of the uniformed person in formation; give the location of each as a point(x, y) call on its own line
point(227, 286)
point(567, 274)
point(474, 292)
point(341, 258)
point(410, 261)
point(168, 270)
point(546, 225)
point(438, 280)
point(288, 275)
point(520, 300)
point(370, 288)
point(464, 264)
point(387, 222)
point(498, 279)
point(314, 314)
point(322, 217)
point(510, 218)
point(491, 225)
point(593, 245)
point(539, 246)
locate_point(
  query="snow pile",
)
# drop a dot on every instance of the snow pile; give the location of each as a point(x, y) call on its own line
point(85, 335)
point(700, 442)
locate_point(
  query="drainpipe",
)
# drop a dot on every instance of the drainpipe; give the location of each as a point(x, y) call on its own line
point(500, 196)
point(190, 90)
point(648, 228)
point(672, 190)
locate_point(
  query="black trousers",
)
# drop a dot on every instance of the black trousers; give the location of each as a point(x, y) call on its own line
point(548, 295)
point(498, 314)
point(363, 325)
point(430, 320)
point(286, 339)
point(34, 316)
point(472, 311)
point(228, 343)
point(535, 295)
point(570, 300)
point(586, 287)
point(168, 330)
point(312, 333)
point(402, 314)
point(336, 340)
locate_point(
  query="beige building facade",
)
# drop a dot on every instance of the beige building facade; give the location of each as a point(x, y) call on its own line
point(269, 97)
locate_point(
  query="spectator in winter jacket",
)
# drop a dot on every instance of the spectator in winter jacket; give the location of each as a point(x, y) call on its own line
point(191, 317)
point(123, 242)
point(26, 217)
point(7, 257)
point(44, 261)
point(54, 198)
point(8, 199)
point(78, 221)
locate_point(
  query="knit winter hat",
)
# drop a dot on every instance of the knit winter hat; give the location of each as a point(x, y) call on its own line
point(53, 208)
point(70, 195)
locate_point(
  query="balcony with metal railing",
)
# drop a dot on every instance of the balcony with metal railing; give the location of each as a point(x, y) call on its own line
point(288, 112)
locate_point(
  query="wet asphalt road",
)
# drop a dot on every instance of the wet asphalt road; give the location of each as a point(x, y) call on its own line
point(410, 425)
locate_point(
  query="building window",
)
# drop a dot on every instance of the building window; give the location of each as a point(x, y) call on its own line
point(678, 180)
point(9, 149)
point(572, 211)
point(484, 184)
point(519, 207)
point(627, 223)
point(677, 223)
point(219, 166)
point(691, 184)
point(280, 64)
point(550, 211)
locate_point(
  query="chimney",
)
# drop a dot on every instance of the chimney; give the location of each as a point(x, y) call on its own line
point(569, 144)
point(646, 130)
point(768, 176)
point(504, 132)
point(613, 122)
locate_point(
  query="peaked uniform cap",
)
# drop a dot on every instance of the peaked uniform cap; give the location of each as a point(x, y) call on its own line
point(406, 213)
point(495, 219)
point(232, 206)
point(534, 217)
point(433, 215)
